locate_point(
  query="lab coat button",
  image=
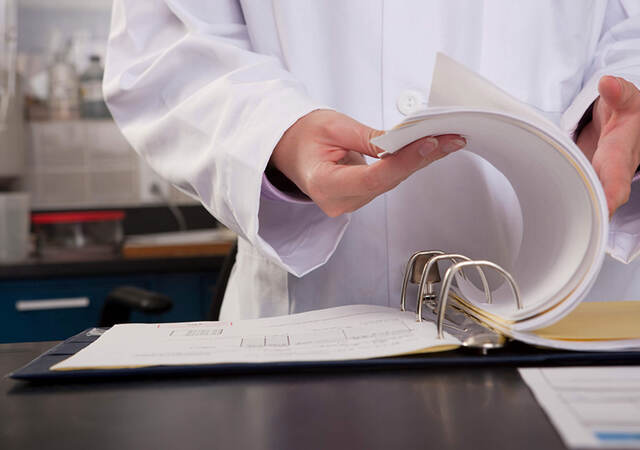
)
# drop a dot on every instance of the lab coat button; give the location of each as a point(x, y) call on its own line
point(411, 101)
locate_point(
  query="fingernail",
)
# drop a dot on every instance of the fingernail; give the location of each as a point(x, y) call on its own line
point(454, 145)
point(428, 146)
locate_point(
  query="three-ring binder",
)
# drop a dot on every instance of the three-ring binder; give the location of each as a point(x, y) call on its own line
point(422, 269)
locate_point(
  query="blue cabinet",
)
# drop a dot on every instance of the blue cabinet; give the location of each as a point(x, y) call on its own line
point(40, 309)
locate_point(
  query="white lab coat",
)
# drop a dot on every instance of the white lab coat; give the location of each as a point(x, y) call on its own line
point(204, 89)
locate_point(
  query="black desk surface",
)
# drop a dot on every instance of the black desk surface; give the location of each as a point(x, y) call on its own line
point(466, 408)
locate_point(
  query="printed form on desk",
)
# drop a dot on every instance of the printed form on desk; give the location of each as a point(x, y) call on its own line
point(342, 333)
point(591, 407)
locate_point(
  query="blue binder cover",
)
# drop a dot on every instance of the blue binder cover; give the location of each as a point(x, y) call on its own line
point(514, 354)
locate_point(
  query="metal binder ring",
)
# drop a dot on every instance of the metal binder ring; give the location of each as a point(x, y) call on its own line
point(446, 286)
point(409, 269)
point(454, 257)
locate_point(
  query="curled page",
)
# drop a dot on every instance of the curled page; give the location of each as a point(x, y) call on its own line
point(562, 205)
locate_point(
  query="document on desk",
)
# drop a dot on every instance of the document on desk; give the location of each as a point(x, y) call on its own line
point(595, 407)
point(343, 333)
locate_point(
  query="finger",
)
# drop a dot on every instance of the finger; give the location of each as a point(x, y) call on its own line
point(618, 93)
point(351, 135)
point(616, 188)
point(387, 173)
point(614, 164)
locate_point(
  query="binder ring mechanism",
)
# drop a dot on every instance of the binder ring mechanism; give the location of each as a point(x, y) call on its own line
point(422, 269)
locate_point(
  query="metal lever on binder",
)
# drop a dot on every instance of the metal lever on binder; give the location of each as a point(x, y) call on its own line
point(414, 273)
point(448, 279)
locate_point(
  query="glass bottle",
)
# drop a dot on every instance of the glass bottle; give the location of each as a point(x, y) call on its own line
point(93, 105)
point(64, 92)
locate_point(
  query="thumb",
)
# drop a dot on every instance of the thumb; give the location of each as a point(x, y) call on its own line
point(352, 135)
point(617, 92)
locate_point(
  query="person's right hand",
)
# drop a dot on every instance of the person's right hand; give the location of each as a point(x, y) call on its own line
point(322, 153)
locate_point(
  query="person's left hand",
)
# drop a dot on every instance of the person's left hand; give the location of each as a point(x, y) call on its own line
point(611, 140)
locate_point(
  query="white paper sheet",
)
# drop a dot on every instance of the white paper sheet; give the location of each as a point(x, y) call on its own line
point(342, 333)
point(590, 407)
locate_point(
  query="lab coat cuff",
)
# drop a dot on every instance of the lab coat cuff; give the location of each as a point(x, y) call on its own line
point(273, 193)
point(302, 236)
point(624, 231)
point(297, 236)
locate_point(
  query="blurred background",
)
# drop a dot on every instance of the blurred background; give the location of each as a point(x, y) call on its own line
point(81, 215)
point(75, 156)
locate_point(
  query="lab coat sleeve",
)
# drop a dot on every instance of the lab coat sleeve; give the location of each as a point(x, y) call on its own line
point(616, 53)
point(205, 112)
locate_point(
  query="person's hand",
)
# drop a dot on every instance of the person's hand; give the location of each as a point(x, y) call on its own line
point(611, 140)
point(323, 154)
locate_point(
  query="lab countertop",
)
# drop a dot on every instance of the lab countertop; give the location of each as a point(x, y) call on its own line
point(86, 264)
point(191, 251)
point(440, 408)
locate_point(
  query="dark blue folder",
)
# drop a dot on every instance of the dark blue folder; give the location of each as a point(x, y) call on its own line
point(514, 354)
